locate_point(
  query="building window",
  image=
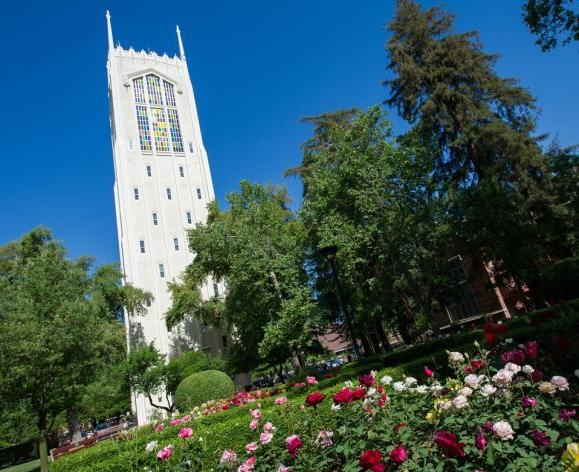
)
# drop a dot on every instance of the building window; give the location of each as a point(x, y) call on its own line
point(159, 125)
point(162, 271)
point(168, 193)
point(176, 243)
point(154, 90)
point(149, 171)
point(148, 302)
point(215, 290)
point(139, 90)
point(190, 146)
point(136, 193)
point(144, 130)
point(155, 220)
point(130, 142)
point(189, 219)
point(181, 171)
point(142, 246)
point(199, 193)
point(175, 130)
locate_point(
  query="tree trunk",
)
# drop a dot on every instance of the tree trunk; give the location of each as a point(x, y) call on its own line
point(42, 443)
point(73, 426)
point(383, 336)
point(375, 341)
point(365, 344)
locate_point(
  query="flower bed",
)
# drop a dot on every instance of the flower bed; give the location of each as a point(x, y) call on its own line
point(493, 412)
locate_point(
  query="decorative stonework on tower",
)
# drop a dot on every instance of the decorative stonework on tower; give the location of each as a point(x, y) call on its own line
point(162, 187)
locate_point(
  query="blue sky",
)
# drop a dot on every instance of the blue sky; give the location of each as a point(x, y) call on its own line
point(257, 68)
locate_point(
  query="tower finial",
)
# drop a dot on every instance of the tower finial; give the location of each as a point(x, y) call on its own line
point(181, 50)
point(110, 31)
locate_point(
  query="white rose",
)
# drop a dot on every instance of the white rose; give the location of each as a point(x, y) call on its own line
point(371, 391)
point(399, 386)
point(460, 402)
point(503, 377)
point(577, 373)
point(436, 387)
point(386, 380)
point(336, 407)
point(446, 406)
point(487, 390)
point(514, 368)
point(509, 340)
point(455, 357)
point(348, 383)
point(465, 392)
point(151, 446)
point(422, 389)
point(527, 369)
point(472, 380)
point(560, 382)
point(503, 430)
point(410, 381)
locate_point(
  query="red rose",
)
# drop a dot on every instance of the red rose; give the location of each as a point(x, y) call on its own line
point(516, 356)
point(378, 468)
point(490, 338)
point(314, 398)
point(536, 376)
point(370, 458)
point(474, 366)
point(428, 372)
point(343, 396)
point(532, 349)
point(225, 407)
point(358, 393)
point(480, 441)
point(398, 454)
point(293, 444)
point(367, 380)
point(449, 443)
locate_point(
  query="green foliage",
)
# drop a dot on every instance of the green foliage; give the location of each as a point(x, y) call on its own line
point(257, 247)
point(550, 19)
point(561, 280)
point(189, 363)
point(202, 387)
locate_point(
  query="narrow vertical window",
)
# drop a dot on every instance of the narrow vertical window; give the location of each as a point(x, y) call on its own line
point(215, 290)
point(144, 130)
point(139, 90)
point(155, 219)
point(162, 271)
point(190, 146)
point(175, 130)
point(149, 171)
point(154, 89)
point(142, 246)
point(148, 302)
point(176, 243)
point(136, 193)
point(199, 193)
point(189, 219)
point(181, 171)
point(159, 126)
point(169, 94)
point(168, 193)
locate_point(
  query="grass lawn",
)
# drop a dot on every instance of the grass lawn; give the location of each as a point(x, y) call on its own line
point(26, 467)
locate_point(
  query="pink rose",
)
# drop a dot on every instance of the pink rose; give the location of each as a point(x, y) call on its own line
point(283, 468)
point(251, 447)
point(255, 414)
point(280, 400)
point(248, 465)
point(268, 427)
point(175, 422)
point(503, 430)
point(398, 454)
point(185, 433)
point(310, 380)
point(560, 382)
point(228, 457)
point(160, 427)
point(165, 453)
point(265, 438)
point(254, 423)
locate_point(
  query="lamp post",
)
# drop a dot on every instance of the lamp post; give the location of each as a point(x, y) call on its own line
point(329, 253)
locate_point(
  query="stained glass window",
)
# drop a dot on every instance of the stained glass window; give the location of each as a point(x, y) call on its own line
point(175, 130)
point(169, 94)
point(154, 89)
point(160, 129)
point(144, 132)
point(139, 90)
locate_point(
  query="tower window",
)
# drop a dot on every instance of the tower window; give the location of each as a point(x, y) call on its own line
point(144, 130)
point(190, 146)
point(198, 193)
point(142, 246)
point(154, 89)
point(176, 243)
point(155, 219)
point(149, 171)
point(175, 130)
point(136, 193)
point(148, 302)
point(181, 171)
point(189, 219)
point(168, 193)
point(215, 290)
point(162, 271)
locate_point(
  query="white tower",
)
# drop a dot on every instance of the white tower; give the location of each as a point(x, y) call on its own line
point(162, 187)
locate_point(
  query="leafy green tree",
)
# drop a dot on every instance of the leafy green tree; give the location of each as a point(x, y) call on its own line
point(550, 19)
point(374, 199)
point(483, 125)
point(257, 248)
point(56, 334)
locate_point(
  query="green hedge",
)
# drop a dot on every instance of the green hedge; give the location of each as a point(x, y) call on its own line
point(230, 428)
point(201, 387)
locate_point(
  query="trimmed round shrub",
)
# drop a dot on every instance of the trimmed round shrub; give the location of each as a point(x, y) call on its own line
point(560, 280)
point(201, 387)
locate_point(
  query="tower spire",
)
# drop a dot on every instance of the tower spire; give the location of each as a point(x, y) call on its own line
point(181, 50)
point(110, 31)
